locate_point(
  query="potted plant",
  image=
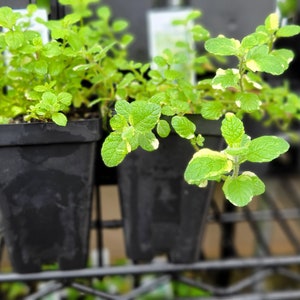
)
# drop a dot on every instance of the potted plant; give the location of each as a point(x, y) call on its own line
point(55, 92)
point(164, 104)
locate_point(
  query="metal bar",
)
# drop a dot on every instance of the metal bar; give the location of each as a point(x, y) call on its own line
point(286, 295)
point(107, 224)
point(262, 215)
point(291, 191)
point(146, 288)
point(155, 268)
point(92, 291)
point(282, 222)
point(288, 273)
point(99, 235)
point(227, 249)
point(257, 232)
point(233, 289)
point(46, 290)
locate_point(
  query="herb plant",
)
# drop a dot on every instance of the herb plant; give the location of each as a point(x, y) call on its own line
point(229, 95)
point(66, 76)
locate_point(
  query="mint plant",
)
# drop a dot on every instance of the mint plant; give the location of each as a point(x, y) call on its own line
point(162, 102)
point(239, 188)
point(71, 75)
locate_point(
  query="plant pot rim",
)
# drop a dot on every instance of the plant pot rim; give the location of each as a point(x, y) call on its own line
point(17, 134)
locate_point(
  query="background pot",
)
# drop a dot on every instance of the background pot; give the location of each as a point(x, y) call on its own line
point(161, 212)
point(46, 181)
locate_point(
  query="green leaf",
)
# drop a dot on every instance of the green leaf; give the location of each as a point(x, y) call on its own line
point(272, 22)
point(266, 148)
point(232, 130)
point(284, 55)
point(184, 127)
point(144, 115)
point(226, 79)
point(65, 98)
point(41, 67)
point(104, 12)
point(114, 149)
point(119, 25)
point(240, 190)
point(49, 97)
point(126, 39)
point(222, 46)
point(288, 31)
point(259, 59)
point(163, 128)
point(212, 110)
point(59, 119)
point(118, 122)
point(14, 39)
point(200, 140)
point(160, 61)
point(250, 41)
point(123, 108)
point(148, 141)
point(206, 165)
point(173, 74)
point(7, 17)
point(248, 102)
point(199, 33)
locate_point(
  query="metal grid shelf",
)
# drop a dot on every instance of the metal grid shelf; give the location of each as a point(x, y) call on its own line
point(228, 277)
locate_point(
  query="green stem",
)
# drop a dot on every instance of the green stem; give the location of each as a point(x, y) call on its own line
point(236, 167)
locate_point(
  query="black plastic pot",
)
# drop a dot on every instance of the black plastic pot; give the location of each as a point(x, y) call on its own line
point(162, 214)
point(46, 181)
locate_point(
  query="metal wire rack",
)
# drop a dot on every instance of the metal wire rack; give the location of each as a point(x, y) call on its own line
point(264, 275)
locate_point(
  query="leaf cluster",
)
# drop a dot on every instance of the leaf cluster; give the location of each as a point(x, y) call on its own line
point(77, 68)
point(162, 101)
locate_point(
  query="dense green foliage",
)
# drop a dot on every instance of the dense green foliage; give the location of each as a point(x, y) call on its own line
point(78, 67)
point(84, 68)
point(230, 94)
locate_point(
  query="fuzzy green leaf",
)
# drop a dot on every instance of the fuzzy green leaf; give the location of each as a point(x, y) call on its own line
point(118, 122)
point(259, 59)
point(114, 150)
point(14, 39)
point(222, 46)
point(232, 130)
point(288, 31)
point(123, 108)
point(266, 148)
point(226, 78)
point(160, 61)
point(163, 128)
point(8, 18)
point(272, 22)
point(148, 141)
point(59, 119)
point(41, 67)
point(240, 190)
point(184, 127)
point(248, 102)
point(119, 25)
point(212, 110)
point(206, 165)
point(104, 12)
point(65, 98)
point(173, 74)
point(144, 115)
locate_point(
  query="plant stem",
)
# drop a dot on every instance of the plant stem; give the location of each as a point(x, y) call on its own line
point(236, 167)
